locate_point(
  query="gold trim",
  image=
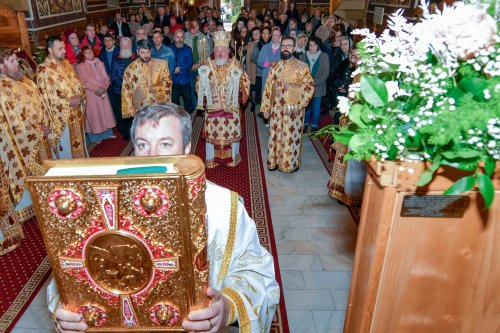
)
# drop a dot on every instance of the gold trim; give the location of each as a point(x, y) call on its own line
point(231, 237)
point(26, 213)
point(22, 297)
point(243, 319)
point(232, 310)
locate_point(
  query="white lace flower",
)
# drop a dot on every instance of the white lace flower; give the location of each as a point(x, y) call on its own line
point(344, 105)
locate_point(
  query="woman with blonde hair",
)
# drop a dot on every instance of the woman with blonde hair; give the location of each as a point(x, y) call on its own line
point(99, 119)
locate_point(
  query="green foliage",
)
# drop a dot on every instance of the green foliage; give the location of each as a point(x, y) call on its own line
point(373, 90)
point(448, 115)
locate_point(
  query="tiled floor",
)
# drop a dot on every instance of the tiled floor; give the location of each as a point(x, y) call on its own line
point(315, 238)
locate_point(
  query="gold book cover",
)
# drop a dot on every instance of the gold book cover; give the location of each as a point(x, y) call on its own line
point(128, 248)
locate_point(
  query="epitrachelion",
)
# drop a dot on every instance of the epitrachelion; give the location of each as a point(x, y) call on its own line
point(128, 250)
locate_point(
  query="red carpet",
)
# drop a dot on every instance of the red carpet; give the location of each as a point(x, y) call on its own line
point(248, 179)
point(322, 146)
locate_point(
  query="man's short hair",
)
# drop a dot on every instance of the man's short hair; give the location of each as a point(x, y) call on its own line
point(52, 39)
point(316, 40)
point(155, 112)
point(108, 35)
point(5, 54)
point(144, 44)
point(89, 25)
point(288, 38)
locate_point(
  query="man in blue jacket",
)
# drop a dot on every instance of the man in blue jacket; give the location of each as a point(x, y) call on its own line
point(181, 75)
point(107, 56)
point(120, 63)
point(162, 52)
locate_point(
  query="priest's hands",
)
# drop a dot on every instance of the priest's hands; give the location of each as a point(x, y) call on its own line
point(210, 319)
point(69, 322)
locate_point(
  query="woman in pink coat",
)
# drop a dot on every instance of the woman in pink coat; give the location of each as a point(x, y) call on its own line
point(99, 119)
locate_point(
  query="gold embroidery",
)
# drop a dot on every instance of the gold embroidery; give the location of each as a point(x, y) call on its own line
point(230, 239)
point(232, 311)
point(243, 319)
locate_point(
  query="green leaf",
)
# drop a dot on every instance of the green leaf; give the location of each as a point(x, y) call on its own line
point(462, 164)
point(464, 153)
point(462, 185)
point(475, 86)
point(485, 186)
point(373, 90)
point(343, 137)
point(356, 143)
point(456, 93)
point(355, 115)
point(489, 165)
point(426, 176)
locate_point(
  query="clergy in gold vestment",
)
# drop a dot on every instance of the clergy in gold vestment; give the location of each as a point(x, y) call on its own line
point(223, 85)
point(146, 81)
point(64, 94)
point(288, 90)
point(347, 178)
point(24, 118)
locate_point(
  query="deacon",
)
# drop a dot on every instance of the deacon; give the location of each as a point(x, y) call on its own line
point(145, 81)
point(287, 92)
point(64, 94)
point(243, 287)
point(222, 85)
point(24, 122)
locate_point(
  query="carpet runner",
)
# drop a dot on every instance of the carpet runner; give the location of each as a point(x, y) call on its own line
point(248, 180)
point(322, 146)
point(25, 269)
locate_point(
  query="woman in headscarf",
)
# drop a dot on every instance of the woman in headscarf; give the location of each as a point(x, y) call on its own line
point(99, 119)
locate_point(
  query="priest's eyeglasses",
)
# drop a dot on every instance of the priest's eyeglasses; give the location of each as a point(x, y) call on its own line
point(286, 46)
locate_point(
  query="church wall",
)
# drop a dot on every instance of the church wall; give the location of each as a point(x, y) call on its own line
point(390, 7)
point(309, 5)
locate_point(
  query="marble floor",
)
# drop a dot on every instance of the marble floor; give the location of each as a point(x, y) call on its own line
point(315, 238)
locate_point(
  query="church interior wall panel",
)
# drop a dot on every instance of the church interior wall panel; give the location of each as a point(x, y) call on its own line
point(390, 7)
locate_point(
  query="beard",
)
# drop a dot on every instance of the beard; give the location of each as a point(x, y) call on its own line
point(220, 61)
point(286, 55)
point(14, 74)
point(125, 53)
point(145, 59)
point(179, 44)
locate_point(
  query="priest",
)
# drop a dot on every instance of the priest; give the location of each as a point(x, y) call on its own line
point(223, 87)
point(243, 288)
point(288, 90)
point(145, 81)
point(64, 95)
point(24, 123)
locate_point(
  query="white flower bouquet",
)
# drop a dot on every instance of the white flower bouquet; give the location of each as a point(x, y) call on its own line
point(430, 91)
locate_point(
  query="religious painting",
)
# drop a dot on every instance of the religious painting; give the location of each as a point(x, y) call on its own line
point(115, 3)
point(391, 3)
point(60, 6)
point(57, 7)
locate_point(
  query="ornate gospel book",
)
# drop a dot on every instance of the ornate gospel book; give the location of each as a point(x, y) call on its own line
point(127, 238)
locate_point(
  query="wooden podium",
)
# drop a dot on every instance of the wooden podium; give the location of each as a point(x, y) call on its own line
point(424, 262)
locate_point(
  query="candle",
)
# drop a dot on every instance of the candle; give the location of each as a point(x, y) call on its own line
point(203, 50)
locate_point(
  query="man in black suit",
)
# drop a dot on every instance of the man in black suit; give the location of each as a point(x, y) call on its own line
point(121, 29)
point(162, 19)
